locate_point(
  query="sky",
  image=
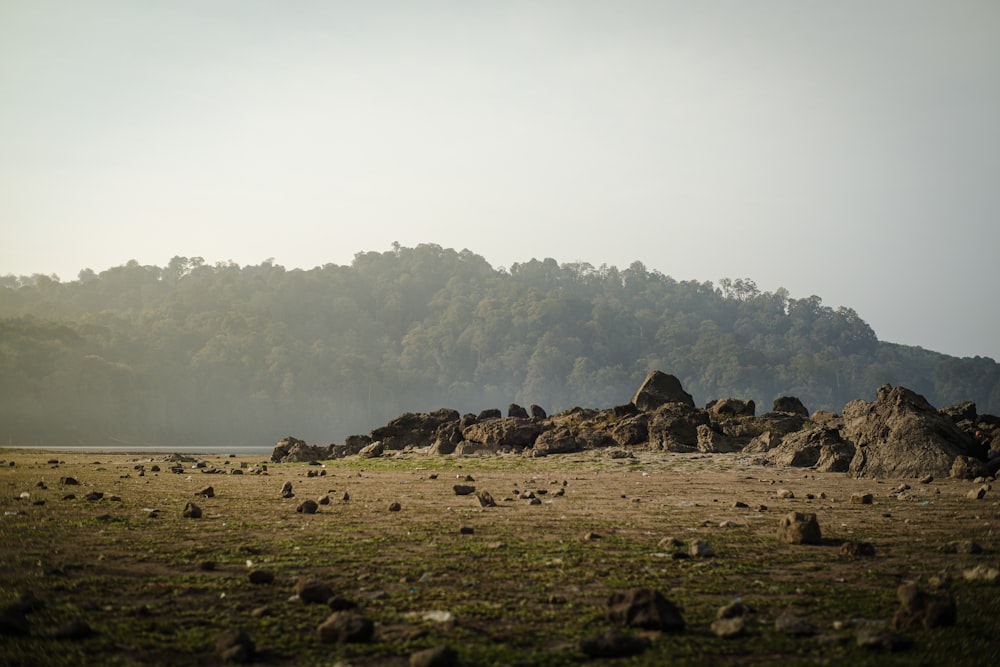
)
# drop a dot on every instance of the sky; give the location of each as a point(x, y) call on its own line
point(849, 150)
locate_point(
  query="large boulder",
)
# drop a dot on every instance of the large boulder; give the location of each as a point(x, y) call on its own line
point(630, 431)
point(900, 434)
point(293, 450)
point(413, 429)
point(820, 448)
point(713, 442)
point(732, 407)
point(560, 440)
point(674, 427)
point(659, 389)
point(503, 431)
point(789, 404)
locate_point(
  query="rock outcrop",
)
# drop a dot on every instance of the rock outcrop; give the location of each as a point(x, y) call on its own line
point(901, 435)
point(659, 389)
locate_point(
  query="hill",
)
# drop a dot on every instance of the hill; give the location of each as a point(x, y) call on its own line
point(193, 353)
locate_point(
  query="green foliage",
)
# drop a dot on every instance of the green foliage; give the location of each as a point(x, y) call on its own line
point(199, 354)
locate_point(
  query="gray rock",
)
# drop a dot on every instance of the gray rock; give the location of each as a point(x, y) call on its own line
point(286, 490)
point(799, 528)
point(313, 590)
point(191, 511)
point(658, 389)
point(644, 608)
point(728, 627)
point(345, 627)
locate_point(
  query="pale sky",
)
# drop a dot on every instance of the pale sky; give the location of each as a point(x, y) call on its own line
point(846, 149)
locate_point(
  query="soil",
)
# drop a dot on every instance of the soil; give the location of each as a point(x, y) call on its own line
point(515, 584)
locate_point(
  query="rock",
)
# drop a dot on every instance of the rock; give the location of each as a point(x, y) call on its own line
point(784, 493)
point(207, 492)
point(614, 644)
point(323, 500)
point(463, 489)
point(820, 448)
point(438, 656)
point(191, 511)
point(537, 412)
point(560, 440)
point(978, 493)
point(701, 549)
point(799, 528)
point(413, 429)
point(515, 410)
point(68, 481)
point(93, 496)
point(857, 549)
point(926, 479)
point(261, 577)
point(234, 645)
point(293, 450)
point(732, 610)
point(919, 609)
point(498, 432)
point(789, 404)
point(797, 626)
point(345, 627)
point(485, 499)
point(862, 498)
point(372, 451)
point(901, 435)
point(728, 627)
point(286, 490)
point(658, 389)
point(307, 507)
point(711, 442)
point(395, 507)
point(644, 608)
point(732, 407)
point(13, 623)
point(313, 590)
point(674, 427)
point(982, 573)
point(966, 467)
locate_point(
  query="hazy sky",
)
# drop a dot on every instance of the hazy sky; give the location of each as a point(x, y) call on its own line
point(846, 149)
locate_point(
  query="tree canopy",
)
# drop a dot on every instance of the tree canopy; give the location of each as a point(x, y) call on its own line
point(193, 353)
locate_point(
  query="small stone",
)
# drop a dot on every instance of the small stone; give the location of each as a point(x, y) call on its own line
point(857, 549)
point(592, 536)
point(669, 542)
point(701, 549)
point(740, 505)
point(93, 495)
point(982, 573)
point(733, 610)
point(463, 489)
point(68, 481)
point(977, 494)
point(466, 530)
point(438, 656)
point(345, 627)
point(234, 645)
point(260, 612)
point(729, 627)
point(313, 591)
point(261, 577)
point(799, 528)
point(324, 500)
point(346, 496)
point(883, 640)
point(207, 566)
point(208, 492)
point(73, 630)
point(926, 479)
point(395, 507)
point(191, 511)
point(534, 501)
point(967, 547)
point(919, 609)
point(286, 490)
point(862, 498)
point(644, 608)
point(485, 499)
point(307, 507)
point(784, 493)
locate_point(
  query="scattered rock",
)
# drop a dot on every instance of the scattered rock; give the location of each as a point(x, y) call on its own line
point(323, 500)
point(857, 549)
point(307, 507)
point(701, 549)
point(862, 498)
point(438, 656)
point(93, 495)
point(261, 577)
point(191, 511)
point(919, 609)
point(967, 467)
point(485, 499)
point(207, 492)
point(799, 528)
point(73, 631)
point(345, 627)
point(463, 489)
point(68, 481)
point(977, 494)
point(733, 610)
point(286, 490)
point(982, 573)
point(614, 644)
point(728, 628)
point(395, 507)
point(658, 389)
point(234, 645)
point(644, 608)
point(313, 590)
point(784, 493)
point(466, 530)
point(926, 479)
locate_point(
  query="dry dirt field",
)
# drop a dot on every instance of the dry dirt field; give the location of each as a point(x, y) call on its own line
point(111, 582)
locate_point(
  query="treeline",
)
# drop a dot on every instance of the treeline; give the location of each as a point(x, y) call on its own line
point(193, 353)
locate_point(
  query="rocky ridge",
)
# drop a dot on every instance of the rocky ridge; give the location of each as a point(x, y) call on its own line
point(899, 434)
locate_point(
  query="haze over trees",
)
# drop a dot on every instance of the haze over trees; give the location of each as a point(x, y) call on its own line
point(193, 353)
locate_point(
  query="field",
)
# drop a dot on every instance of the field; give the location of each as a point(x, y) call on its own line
point(519, 583)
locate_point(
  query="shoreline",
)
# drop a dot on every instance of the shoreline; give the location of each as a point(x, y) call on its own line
point(213, 450)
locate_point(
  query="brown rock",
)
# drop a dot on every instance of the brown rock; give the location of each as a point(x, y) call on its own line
point(799, 528)
point(234, 645)
point(920, 609)
point(191, 511)
point(614, 644)
point(345, 627)
point(644, 608)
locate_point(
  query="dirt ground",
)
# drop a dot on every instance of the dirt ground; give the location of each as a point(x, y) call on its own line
point(127, 580)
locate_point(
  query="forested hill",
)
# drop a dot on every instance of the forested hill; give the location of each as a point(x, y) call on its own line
point(221, 354)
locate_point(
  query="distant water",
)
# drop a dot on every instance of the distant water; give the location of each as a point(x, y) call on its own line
point(240, 450)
